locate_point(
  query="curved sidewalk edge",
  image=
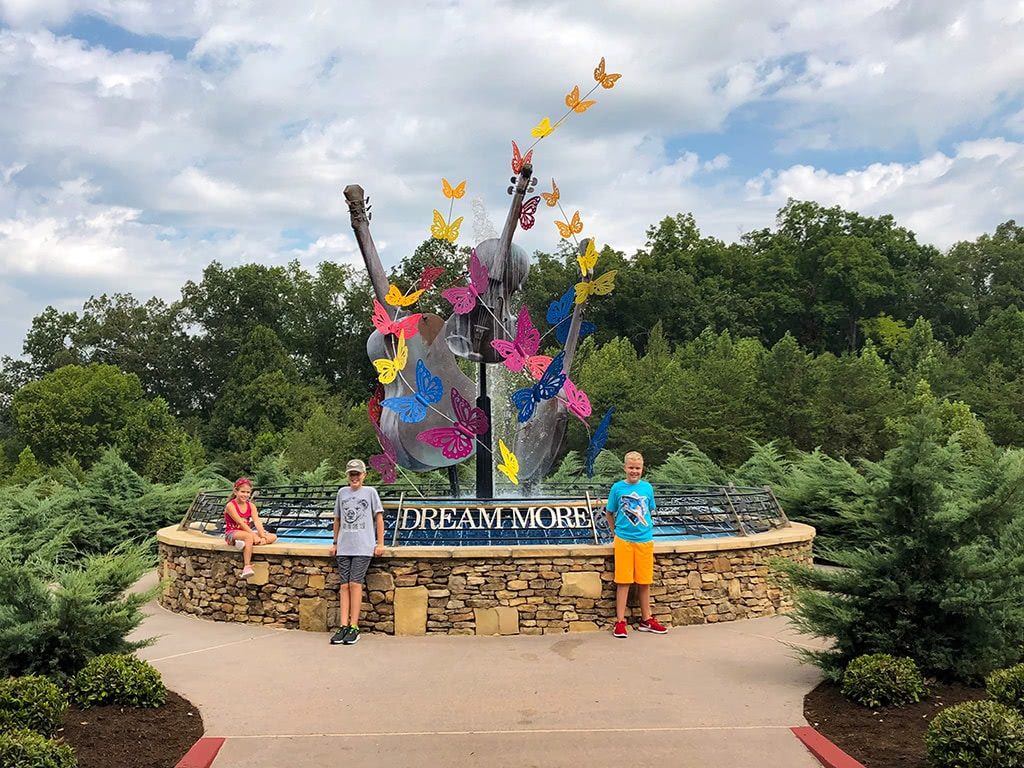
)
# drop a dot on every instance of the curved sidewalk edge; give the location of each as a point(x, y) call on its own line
point(202, 754)
point(828, 754)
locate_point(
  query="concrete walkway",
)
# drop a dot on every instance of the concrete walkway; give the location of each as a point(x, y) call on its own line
point(700, 697)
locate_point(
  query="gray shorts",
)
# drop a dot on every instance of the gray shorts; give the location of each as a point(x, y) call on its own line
point(353, 568)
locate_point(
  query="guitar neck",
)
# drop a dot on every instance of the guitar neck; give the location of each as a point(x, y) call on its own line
point(361, 227)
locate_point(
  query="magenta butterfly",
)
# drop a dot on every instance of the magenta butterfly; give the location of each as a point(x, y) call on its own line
point(526, 215)
point(385, 463)
point(577, 401)
point(457, 442)
point(463, 298)
point(517, 353)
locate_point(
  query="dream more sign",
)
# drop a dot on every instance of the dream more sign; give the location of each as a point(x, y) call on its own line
point(528, 515)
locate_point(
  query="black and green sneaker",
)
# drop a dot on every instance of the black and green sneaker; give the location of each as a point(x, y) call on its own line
point(340, 635)
point(352, 637)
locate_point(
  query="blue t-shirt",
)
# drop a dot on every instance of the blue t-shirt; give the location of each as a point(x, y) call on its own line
point(632, 505)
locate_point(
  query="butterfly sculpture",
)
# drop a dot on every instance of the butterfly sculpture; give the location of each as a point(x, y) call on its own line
point(413, 408)
point(453, 193)
point(396, 298)
point(606, 80)
point(518, 352)
point(542, 129)
point(382, 322)
point(551, 198)
point(526, 214)
point(569, 228)
point(463, 298)
point(388, 370)
point(597, 441)
point(509, 465)
point(387, 462)
point(518, 161)
point(442, 230)
point(527, 398)
point(588, 260)
point(429, 276)
point(600, 286)
point(373, 407)
point(572, 101)
point(577, 401)
point(559, 313)
point(456, 442)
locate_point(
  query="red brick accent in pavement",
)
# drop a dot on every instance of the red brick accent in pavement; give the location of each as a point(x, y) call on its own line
point(828, 754)
point(202, 753)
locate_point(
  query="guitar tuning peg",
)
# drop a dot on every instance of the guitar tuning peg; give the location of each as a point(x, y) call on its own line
point(510, 190)
point(512, 179)
point(533, 183)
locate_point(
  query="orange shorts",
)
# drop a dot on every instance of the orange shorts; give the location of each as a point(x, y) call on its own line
point(634, 561)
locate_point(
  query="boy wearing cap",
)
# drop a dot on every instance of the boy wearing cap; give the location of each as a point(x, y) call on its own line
point(358, 537)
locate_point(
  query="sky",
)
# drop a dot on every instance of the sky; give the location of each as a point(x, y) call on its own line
point(139, 141)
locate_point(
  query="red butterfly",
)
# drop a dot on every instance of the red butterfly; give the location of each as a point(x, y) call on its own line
point(457, 442)
point(373, 406)
point(463, 298)
point(385, 463)
point(428, 276)
point(518, 161)
point(382, 322)
point(526, 218)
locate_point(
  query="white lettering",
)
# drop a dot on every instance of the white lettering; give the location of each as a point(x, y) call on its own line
point(521, 519)
point(490, 518)
point(552, 517)
point(564, 513)
point(406, 511)
point(430, 515)
point(467, 521)
point(447, 518)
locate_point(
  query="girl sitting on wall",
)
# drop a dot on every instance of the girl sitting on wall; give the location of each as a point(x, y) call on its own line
point(242, 525)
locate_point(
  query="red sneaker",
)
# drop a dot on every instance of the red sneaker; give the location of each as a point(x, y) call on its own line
point(620, 629)
point(651, 625)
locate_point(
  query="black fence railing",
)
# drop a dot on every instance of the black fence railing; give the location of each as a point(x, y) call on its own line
point(305, 513)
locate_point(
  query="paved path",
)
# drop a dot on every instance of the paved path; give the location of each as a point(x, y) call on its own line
point(700, 697)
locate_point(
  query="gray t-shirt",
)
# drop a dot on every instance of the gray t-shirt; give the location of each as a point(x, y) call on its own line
point(355, 511)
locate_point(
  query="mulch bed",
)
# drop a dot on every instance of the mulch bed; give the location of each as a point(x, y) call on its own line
point(881, 738)
point(104, 737)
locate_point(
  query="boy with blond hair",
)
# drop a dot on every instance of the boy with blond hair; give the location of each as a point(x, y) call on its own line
point(630, 508)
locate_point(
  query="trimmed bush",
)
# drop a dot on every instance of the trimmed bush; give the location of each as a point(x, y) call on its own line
point(881, 680)
point(118, 679)
point(1007, 686)
point(31, 702)
point(22, 748)
point(976, 734)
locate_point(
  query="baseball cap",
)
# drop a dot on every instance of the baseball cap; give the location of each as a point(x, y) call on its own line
point(355, 465)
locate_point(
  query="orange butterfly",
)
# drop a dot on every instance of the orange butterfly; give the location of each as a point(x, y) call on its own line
point(518, 161)
point(606, 81)
point(451, 192)
point(572, 100)
point(552, 198)
point(570, 228)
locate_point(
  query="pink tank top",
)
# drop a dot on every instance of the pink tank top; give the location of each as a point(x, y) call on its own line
point(229, 524)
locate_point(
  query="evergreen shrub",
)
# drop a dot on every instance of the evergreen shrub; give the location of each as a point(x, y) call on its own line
point(32, 702)
point(976, 734)
point(1007, 686)
point(115, 678)
point(881, 680)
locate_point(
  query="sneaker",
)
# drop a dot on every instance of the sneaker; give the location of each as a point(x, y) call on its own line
point(247, 572)
point(620, 629)
point(652, 625)
point(339, 636)
point(352, 637)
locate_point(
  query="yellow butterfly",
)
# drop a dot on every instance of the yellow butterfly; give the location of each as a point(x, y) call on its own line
point(451, 192)
point(552, 198)
point(510, 467)
point(542, 129)
point(569, 228)
point(396, 298)
point(606, 81)
point(443, 230)
point(572, 101)
point(388, 369)
point(588, 259)
point(602, 286)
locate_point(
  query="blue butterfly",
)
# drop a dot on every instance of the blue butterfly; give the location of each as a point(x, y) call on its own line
point(413, 408)
point(550, 384)
point(560, 314)
point(597, 440)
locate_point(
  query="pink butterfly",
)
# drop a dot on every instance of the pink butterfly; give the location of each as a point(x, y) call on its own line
point(518, 161)
point(526, 343)
point(537, 365)
point(526, 217)
point(457, 442)
point(577, 400)
point(428, 276)
point(385, 463)
point(463, 299)
point(382, 322)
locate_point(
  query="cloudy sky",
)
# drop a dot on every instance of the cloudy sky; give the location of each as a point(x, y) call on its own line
point(141, 140)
